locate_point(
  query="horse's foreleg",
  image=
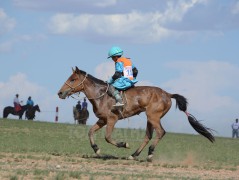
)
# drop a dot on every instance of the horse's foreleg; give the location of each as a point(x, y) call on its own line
point(160, 132)
point(147, 138)
point(99, 124)
point(108, 138)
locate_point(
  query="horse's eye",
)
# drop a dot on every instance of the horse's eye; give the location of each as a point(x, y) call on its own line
point(72, 81)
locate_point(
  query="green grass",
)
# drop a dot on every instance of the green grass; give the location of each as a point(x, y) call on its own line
point(17, 136)
point(47, 139)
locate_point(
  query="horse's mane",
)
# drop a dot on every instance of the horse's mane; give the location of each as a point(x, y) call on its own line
point(96, 80)
point(35, 106)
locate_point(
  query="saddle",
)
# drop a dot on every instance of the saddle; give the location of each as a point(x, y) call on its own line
point(17, 108)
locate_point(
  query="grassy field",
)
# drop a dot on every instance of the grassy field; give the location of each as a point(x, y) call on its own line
point(41, 150)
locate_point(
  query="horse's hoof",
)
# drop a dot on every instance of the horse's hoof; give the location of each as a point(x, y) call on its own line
point(150, 158)
point(131, 158)
point(127, 145)
point(98, 152)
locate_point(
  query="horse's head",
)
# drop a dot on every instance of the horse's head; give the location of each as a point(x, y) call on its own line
point(73, 84)
point(38, 108)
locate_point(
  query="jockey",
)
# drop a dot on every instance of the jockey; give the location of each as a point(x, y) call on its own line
point(124, 77)
point(16, 102)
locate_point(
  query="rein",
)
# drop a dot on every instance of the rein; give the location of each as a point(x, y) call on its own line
point(101, 94)
point(82, 83)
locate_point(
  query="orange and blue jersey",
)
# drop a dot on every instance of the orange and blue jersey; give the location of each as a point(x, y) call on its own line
point(124, 66)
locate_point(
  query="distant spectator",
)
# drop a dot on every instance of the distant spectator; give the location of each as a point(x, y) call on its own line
point(16, 102)
point(235, 129)
point(84, 104)
point(78, 106)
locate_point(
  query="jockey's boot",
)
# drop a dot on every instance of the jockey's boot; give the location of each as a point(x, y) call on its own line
point(119, 100)
point(117, 96)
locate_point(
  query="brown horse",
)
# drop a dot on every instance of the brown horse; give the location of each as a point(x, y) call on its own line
point(30, 113)
point(152, 100)
point(11, 110)
point(81, 117)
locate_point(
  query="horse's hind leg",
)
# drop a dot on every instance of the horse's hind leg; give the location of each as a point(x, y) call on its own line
point(98, 125)
point(147, 138)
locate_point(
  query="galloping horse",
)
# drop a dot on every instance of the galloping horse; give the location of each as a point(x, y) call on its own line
point(11, 110)
point(152, 100)
point(82, 116)
point(30, 113)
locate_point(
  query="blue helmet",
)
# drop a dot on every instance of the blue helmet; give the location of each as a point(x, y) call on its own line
point(115, 51)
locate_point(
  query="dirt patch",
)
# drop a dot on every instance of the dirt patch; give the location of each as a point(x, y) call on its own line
point(35, 166)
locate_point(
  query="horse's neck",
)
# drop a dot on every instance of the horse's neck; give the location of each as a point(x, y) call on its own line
point(24, 107)
point(95, 92)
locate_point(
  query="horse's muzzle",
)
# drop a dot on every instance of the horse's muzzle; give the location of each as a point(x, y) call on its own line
point(62, 95)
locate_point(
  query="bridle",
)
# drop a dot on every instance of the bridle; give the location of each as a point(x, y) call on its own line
point(82, 83)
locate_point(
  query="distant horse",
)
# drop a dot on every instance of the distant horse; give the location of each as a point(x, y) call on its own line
point(152, 100)
point(11, 110)
point(82, 116)
point(30, 113)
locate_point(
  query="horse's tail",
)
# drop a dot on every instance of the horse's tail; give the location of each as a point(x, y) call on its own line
point(5, 114)
point(181, 103)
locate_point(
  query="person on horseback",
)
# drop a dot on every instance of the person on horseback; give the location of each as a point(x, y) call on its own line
point(124, 76)
point(30, 102)
point(78, 106)
point(84, 104)
point(16, 102)
point(30, 105)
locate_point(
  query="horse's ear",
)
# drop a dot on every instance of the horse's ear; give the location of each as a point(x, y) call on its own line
point(77, 69)
point(73, 70)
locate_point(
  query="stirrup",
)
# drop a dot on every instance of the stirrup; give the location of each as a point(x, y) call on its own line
point(118, 104)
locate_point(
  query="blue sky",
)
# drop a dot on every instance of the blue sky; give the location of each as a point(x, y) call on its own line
point(188, 47)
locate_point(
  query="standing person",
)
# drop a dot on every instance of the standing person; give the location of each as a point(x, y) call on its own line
point(235, 129)
point(84, 104)
point(30, 102)
point(124, 76)
point(16, 102)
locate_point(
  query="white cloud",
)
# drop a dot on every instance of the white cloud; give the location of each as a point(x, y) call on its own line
point(176, 19)
point(105, 70)
point(207, 81)
point(6, 23)
point(210, 88)
point(106, 3)
point(134, 26)
point(144, 22)
point(9, 45)
point(176, 10)
point(6, 46)
point(235, 8)
point(93, 6)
